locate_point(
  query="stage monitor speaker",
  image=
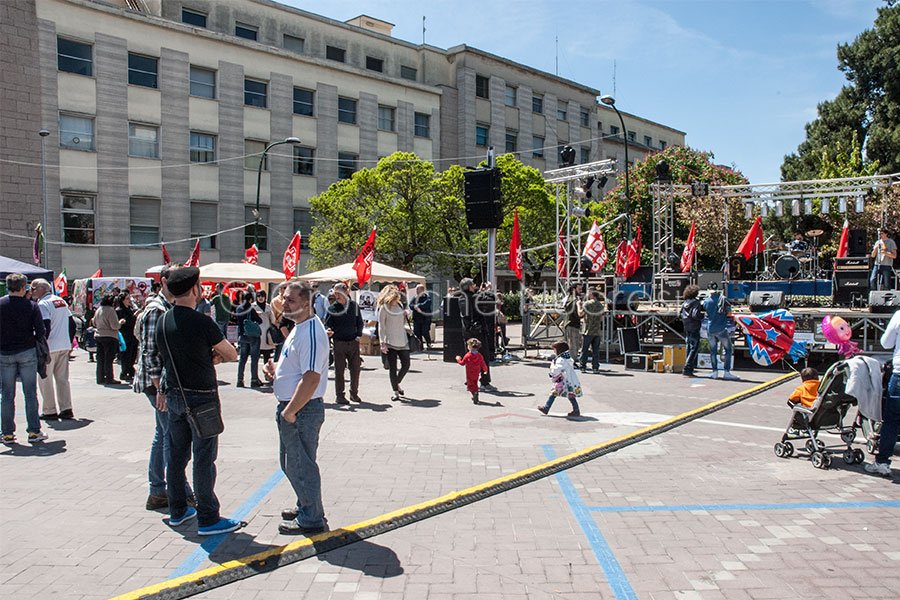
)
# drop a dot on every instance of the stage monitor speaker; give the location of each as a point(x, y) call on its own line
point(737, 268)
point(766, 301)
point(706, 278)
point(850, 285)
point(884, 302)
point(857, 243)
point(482, 194)
point(673, 286)
point(629, 341)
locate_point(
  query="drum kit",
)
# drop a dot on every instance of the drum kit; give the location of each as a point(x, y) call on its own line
point(796, 260)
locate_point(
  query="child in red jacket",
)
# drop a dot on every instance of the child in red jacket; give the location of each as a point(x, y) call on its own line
point(475, 366)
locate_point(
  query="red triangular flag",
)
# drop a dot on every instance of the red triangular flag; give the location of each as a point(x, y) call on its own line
point(194, 259)
point(166, 259)
point(844, 244)
point(561, 257)
point(621, 258)
point(515, 248)
point(595, 249)
point(363, 263)
point(61, 284)
point(291, 257)
point(690, 250)
point(633, 260)
point(754, 242)
point(97, 273)
point(251, 255)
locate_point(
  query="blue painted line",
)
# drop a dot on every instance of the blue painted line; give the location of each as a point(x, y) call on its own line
point(202, 552)
point(785, 506)
point(615, 576)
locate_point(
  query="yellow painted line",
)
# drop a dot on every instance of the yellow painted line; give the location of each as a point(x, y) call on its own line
point(261, 557)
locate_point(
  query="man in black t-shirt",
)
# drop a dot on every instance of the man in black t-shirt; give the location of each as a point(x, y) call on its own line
point(191, 344)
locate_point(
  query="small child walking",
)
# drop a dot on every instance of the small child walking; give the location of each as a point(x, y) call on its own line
point(475, 366)
point(564, 378)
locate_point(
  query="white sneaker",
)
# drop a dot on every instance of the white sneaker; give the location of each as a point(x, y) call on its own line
point(729, 376)
point(713, 375)
point(878, 468)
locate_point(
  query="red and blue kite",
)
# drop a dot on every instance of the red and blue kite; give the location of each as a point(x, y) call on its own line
point(770, 336)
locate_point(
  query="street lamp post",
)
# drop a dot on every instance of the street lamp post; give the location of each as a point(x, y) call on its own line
point(262, 160)
point(610, 101)
point(44, 133)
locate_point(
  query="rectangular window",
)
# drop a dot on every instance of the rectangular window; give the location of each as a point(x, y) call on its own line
point(243, 30)
point(386, 118)
point(648, 141)
point(335, 53)
point(255, 93)
point(510, 98)
point(632, 136)
point(374, 64)
point(410, 73)
point(482, 134)
point(303, 222)
point(75, 132)
point(346, 165)
point(144, 221)
point(561, 114)
point(662, 144)
point(203, 147)
point(512, 140)
point(304, 161)
point(422, 125)
point(303, 102)
point(74, 57)
point(253, 151)
point(614, 130)
point(142, 70)
point(537, 104)
point(585, 155)
point(143, 140)
point(78, 218)
point(585, 117)
point(293, 43)
point(482, 86)
point(347, 110)
point(262, 232)
point(203, 82)
point(204, 221)
point(537, 146)
point(192, 17)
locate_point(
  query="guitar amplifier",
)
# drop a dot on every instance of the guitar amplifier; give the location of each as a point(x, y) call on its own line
point(766, 301)
point(884, 302)
point(849, 285)
point(851, 263)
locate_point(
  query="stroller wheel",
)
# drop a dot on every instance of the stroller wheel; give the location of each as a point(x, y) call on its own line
point(780, 450)
point(813, 445)
point(848, 436)
point(788, 449)
point(819, 460)
point(858, 456)
point(849, 456)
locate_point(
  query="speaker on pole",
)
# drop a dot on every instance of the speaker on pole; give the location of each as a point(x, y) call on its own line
point(857, 243)
point(482, 194)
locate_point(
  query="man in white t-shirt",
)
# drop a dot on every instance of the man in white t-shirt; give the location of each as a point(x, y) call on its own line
point(301, 379)
point(54, 309)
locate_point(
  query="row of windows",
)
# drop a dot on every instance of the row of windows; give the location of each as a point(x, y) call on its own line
point(483, 90)
point(482, 135)
point(294, 43)
point(632, 136)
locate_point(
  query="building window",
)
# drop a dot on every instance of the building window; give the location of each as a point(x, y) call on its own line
point(262, 232)
point(585, 117)
point(632, 136)
point(204, 221)
point(203, 82)
point(537, 146)
point(74, 57)
point(422, 125)
point(75, 132)
point(304, 160)
point(561, 114)
point(409, 73)
point(648, 141)
point(144, 221)
point(482, 86)
point(346, 165)
point(143, 140)
point(510, 98)
point(386, 118)
point(203, 147)
point(347, 110)
point(374, 64)
point(293, 43)
point(482, 134)
point(303, 102)
point(192, 17)
point(243, 30)
point(614, 130)
point(537, 104)
point(253, 151)
point(255, 93)
point(585, 155)
point(512, 140)
point(142, 70)
point(78, 218)
point(303, 222)
point(335, 53)
point(662, 144)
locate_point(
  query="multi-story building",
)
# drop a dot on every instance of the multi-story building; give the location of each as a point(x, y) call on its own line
point(158, 111)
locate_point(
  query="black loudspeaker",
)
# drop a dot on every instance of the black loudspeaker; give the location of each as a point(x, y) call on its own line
point(454, 344)
point(766, 301)
point(673, 285)
point(706, 278)
point(482, 193)
point(884, 302)
point(629, 341)
point(737, 268)
point(857, 243)
point(848, 285)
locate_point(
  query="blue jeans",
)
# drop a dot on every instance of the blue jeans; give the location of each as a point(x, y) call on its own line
point(891, 423)
point(182, 445)
point(223, 327)
point(24, 365)
point(881, 277)
point(571, 398)
point(692, 338)
point(249, 347)
point(591, 342)
point(158, 451)
point(298, 443)
point(724, 338)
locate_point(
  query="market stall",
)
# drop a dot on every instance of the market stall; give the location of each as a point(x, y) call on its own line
point(381, 273)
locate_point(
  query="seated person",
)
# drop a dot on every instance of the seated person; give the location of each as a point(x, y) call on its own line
point(808, 390)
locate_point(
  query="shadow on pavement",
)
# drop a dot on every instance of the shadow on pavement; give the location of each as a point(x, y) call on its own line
point(354, 406)
point(508, 394)
point(373, 560)
point(483, 403)
point(568, 418)
point(423, 403)
point(38, 449)
point(237, 545)
point(68, 424)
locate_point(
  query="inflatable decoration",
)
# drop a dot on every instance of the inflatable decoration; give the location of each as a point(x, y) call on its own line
point(770, 336)
point(838, 332)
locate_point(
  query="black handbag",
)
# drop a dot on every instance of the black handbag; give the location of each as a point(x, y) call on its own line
point(205, 419)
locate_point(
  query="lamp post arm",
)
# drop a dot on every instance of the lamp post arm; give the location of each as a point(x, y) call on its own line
point(627, 188)
point(259, 168)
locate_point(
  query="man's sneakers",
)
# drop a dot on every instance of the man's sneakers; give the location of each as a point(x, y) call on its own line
point(342, 401)
point(877, 468)
point(713, 375)
point(289, 514)
point(66, 414)
point(157, 502)
point(36, 437)
point(543, 409)
point(189, 513)
point(220, 526)
point(8, 440)
point(292, 527)
point(49, 417)
point(355, 397)
point(729, 376)
point(574, 413)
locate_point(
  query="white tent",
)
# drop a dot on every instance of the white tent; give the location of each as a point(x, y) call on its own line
point(239, 271)
point(380, 273)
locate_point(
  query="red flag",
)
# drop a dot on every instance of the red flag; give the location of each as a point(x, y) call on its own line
point(844, 244)
point(291, 257)
point(690, 250)
point(633, 260)
point(621, 258)
point(166, 259)
point(515, 248)
point(561, 257)
point(595, 249)
point(194, 259)
point(61, 284)
point(754, 242)
point(251, 255)
point(363, 263)
point(97, 273)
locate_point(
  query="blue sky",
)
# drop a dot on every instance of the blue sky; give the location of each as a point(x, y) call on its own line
point(741, 77)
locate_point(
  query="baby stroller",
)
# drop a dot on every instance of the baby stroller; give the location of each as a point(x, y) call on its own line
point(826, 415)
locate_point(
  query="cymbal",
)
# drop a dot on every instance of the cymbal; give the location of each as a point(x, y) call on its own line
point(814, 232)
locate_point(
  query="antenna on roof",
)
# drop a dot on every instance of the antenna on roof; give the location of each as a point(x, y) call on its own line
point(557, 56)
point(423, 30)
point(614, 78)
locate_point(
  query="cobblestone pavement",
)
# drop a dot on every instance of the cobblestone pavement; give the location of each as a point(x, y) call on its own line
point(704, 511)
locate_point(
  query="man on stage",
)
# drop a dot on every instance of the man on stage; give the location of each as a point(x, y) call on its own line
point(884, 252)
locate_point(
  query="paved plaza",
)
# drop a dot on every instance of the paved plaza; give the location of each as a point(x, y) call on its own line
point(705, 511)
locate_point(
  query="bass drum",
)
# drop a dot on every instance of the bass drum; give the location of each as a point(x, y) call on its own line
point(787, 267)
